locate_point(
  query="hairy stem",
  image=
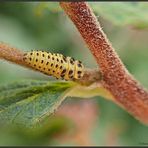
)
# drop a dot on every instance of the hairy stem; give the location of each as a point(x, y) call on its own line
point(126, 90)
point(11, 54)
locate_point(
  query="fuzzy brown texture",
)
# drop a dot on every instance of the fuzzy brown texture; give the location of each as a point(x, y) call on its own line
point(90, 76)
point(126, 90)
point(16, 56)
point(11, 54)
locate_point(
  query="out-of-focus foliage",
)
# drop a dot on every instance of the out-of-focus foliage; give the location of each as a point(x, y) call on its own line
point(43, 134)
point(31, 26)
point(121, 13)
point(118, 13)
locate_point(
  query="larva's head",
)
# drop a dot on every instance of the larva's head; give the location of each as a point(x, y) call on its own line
point(79, 70)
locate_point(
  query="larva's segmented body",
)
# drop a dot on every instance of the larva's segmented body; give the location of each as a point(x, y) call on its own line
point(55, 64)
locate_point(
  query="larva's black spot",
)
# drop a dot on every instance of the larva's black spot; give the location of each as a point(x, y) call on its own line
point(25, 54)
point(24, 58)
point(52, 58)
point(47, 63)
point(31, 53)
point(80, 62)
point(34, 65)
point(79, 65)
point(48, 56)
point(79, 72)
point(57, 60)
point(37, 54)
point(71, 77)
point(42, 61)
point(62, 75)
point(39, 66)
point(44, 68)
point(71, 61)
point(79, 76)
point(70, 72)
point(64, 58)
point(56, 66)
point(61, 67)
point(53, 71)
point(61, 61)
point(43, 55)
point(48, 69)
point(51, 64)
point(64, 71)
point(36, 60)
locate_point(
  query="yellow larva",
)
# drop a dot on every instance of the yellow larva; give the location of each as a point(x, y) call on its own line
point(55, 64)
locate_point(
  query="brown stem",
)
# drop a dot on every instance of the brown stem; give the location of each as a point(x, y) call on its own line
point(90, 76)
point(126, 90)
point(11, 54)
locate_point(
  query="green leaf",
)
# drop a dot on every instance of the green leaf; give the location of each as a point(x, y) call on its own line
point(27, 102)
point(119, 13)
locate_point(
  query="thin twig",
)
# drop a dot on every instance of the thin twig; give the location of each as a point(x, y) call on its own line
point(126, 90)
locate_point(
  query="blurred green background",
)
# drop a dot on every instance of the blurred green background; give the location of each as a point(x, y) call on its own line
point(36, 25)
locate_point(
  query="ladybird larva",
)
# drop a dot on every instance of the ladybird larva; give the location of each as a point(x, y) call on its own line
point(55, 64)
